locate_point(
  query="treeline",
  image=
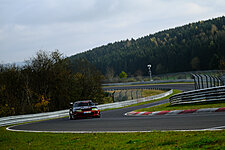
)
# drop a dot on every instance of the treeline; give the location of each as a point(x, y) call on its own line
point(46, 83)
point(196, 46)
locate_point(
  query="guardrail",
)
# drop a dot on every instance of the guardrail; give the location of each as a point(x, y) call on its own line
point(207, 94)
point(31, 117)
point(62, 113)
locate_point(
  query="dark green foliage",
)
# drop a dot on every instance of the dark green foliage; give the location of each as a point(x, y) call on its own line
point(43, 84)
point(196, 46)
point(123, 75)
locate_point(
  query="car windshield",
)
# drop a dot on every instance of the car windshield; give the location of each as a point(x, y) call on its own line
point(83, 104)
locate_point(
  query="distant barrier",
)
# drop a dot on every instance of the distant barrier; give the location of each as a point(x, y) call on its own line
point(63, 113)
point(206, 81)
point(148, 82)
point(207, 94)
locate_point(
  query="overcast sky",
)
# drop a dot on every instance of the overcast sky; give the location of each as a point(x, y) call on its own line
point(74, 26)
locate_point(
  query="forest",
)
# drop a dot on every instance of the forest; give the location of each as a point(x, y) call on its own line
point(196, 46)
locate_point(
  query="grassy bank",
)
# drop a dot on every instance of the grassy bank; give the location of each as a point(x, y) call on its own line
point(147, 92)
point(201, 105)
point(152, 140)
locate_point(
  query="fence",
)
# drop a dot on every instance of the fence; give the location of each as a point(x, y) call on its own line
point(123, 95)
point(207, 94)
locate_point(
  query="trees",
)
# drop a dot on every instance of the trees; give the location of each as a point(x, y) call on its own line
point(46, 83)
point(123, 75)
point(195, 63)
point(88, 82)
point(109, 73)
point(10, 87)
point(49, 79)
point(43, 84)
point(169, 51)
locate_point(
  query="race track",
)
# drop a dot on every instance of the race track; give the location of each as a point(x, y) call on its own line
point(116, 121)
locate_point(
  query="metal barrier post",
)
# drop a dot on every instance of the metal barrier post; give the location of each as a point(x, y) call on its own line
point(132, 94)
point(126, 94)
point(137, 94)
point(214, 81)
point(202, 81)
point(113, 96)
point(194, 76)
point(198, 83)
point(206, 81)
point(210, 81)
point(218, 81)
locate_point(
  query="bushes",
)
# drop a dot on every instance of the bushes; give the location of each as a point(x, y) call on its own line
point(5, 110)
point(46, 83)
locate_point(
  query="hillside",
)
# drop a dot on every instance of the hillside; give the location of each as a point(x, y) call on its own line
point(196, 46)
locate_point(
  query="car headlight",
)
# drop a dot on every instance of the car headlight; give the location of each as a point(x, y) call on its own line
point(94, 108)
point(78, 110)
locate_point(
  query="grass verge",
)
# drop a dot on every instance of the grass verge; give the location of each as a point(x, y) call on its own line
point(168, 107)
point(151, 140)
point(147, 92)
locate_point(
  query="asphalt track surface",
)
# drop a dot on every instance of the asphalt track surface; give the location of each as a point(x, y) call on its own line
point(116, 121)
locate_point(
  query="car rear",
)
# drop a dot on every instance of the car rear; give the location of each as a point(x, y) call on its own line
point(87, 112)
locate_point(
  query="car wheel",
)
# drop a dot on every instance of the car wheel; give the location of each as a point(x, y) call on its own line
point(99, 116)
point(71, 117)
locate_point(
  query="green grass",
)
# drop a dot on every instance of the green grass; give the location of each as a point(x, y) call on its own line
point(117, 141)
point(201, 105)
point(147, 92)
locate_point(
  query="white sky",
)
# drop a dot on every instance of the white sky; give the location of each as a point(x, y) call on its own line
point(74, 26)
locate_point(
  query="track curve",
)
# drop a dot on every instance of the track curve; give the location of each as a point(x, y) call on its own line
point(115, 121)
